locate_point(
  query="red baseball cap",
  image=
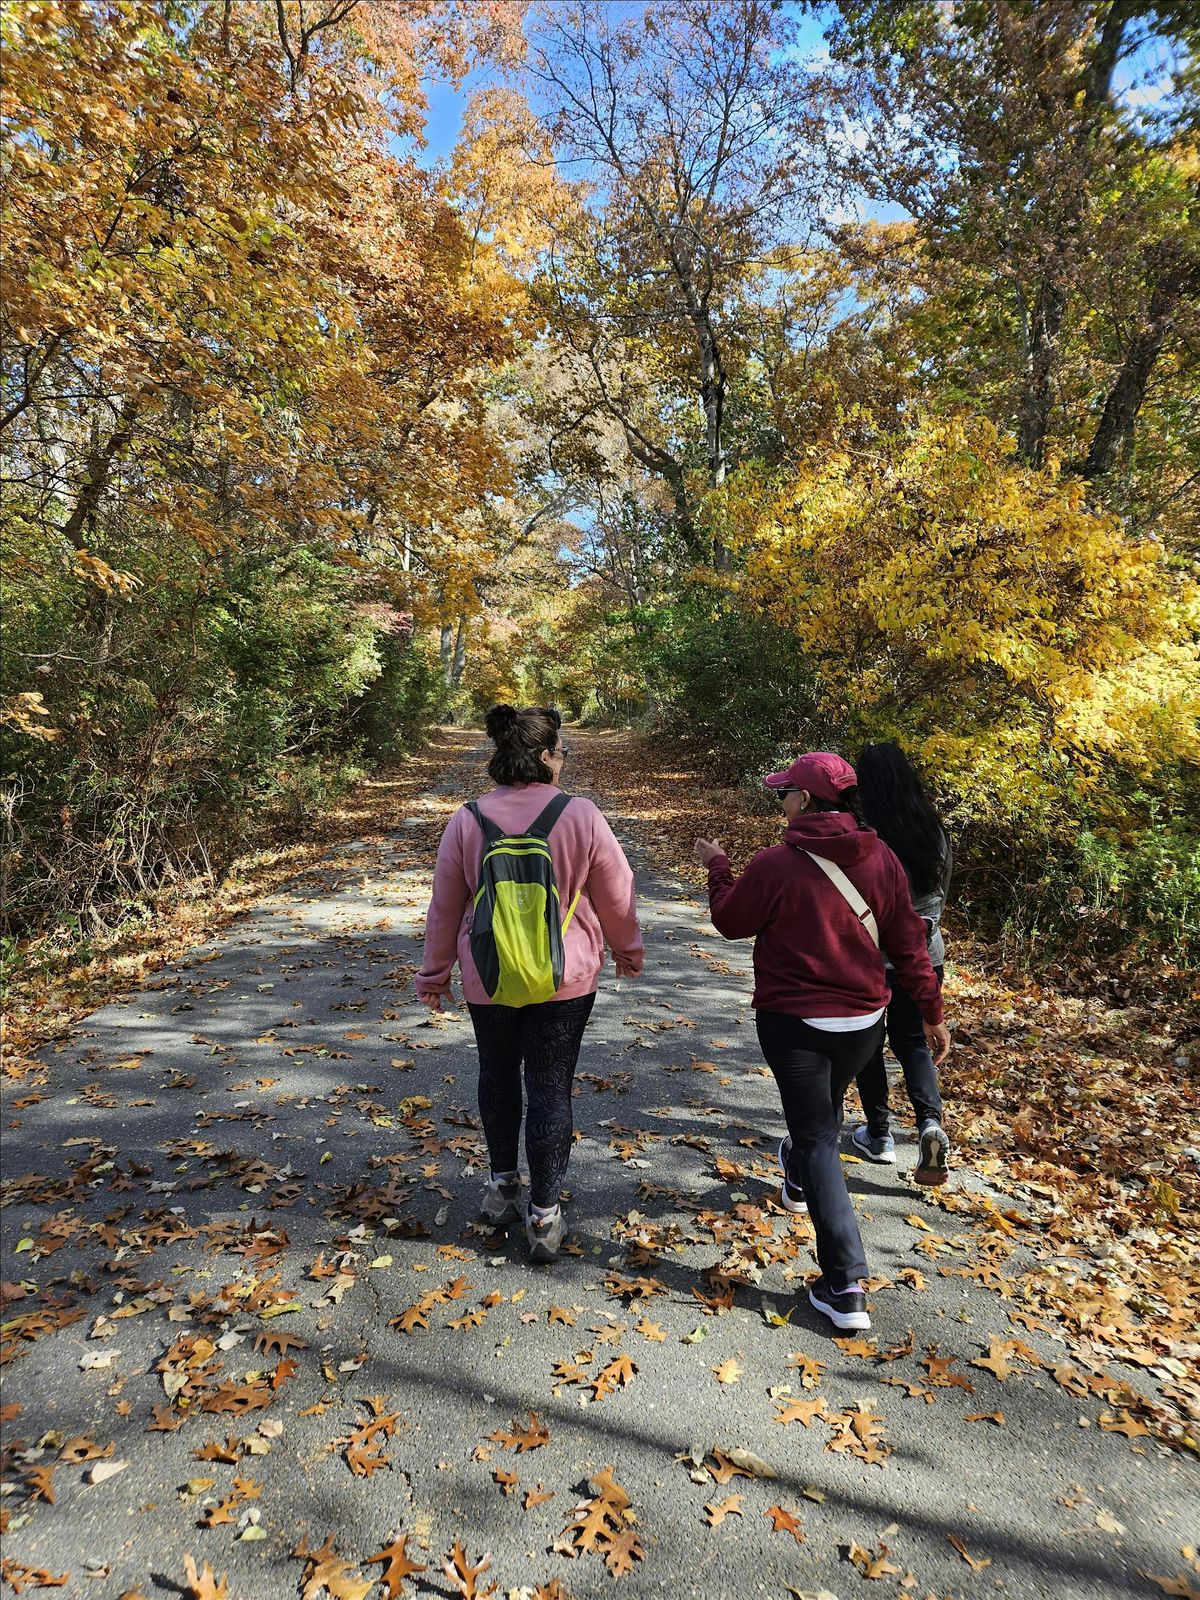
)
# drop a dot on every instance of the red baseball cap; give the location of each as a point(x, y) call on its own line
point(824, 775)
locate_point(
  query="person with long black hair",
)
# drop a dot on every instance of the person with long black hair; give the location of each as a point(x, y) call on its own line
point(897, 805)
point(822, 908)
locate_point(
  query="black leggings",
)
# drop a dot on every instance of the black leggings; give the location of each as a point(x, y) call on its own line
point(813, 1068)
point(546, 1038)
point(906, 1035)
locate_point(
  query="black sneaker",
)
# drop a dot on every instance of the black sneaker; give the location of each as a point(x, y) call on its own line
point(845, 1310)
point(790, 1198)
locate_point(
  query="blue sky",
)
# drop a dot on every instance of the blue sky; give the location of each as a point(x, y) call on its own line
point(1143, 78)
point(447, 104)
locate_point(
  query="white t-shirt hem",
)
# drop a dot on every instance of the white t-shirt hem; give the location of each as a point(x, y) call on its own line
point(844, 1024)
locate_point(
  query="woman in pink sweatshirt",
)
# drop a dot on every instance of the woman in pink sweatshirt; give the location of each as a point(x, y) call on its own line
point(592, 874)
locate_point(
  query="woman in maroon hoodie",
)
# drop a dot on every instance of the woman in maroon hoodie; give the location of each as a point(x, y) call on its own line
point(821, 908)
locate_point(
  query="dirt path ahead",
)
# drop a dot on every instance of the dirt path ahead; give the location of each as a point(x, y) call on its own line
point(240, 1265)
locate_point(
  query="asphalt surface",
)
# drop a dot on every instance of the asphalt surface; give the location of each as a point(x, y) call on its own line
point(154, 1092)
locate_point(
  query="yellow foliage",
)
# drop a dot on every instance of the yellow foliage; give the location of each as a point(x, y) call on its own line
point(985, 610)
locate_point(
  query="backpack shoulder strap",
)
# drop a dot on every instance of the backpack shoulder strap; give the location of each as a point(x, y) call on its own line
point(490, 831)
point(849, 894)
point(541, 825)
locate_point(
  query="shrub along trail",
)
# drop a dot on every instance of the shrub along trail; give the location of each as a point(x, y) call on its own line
point(250, 1326)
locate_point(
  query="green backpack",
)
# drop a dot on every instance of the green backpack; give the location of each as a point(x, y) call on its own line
point(516, 934)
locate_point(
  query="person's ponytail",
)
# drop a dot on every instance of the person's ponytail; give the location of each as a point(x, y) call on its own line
point(501, 721)
point(520, 737)
point(847, 800)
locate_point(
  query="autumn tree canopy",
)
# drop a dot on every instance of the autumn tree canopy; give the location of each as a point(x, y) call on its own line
point(778, 373)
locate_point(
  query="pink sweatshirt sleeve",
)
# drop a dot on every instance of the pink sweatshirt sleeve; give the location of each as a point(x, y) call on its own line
point(610, 889)
point(451, 892)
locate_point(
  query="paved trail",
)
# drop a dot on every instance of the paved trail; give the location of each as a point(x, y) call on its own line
point(257, 1086)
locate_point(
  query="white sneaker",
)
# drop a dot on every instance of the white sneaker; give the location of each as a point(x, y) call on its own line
point(545, 1235)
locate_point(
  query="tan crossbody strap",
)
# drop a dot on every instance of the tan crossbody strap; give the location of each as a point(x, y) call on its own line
point(849, 894)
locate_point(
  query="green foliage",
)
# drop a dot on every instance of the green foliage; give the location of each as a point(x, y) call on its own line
point(1103, 893)
point(394, 710)
point(188, 721)
point(730, 684)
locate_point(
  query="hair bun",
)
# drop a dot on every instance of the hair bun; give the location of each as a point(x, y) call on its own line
point(501, 720)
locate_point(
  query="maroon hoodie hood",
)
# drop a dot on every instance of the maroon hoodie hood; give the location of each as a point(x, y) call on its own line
point(832, 834)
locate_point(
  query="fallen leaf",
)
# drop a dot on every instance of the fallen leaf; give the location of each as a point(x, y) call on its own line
point(976, 1563)
point(745, 1461)
point(203, 1585)
point(717, 1510)
point(326, 1571)
point(618, 1373)
point(871, 1565)
point(397, 1566)
point(21, 1577)
point(78, 1450)
point(459, 1570)
point(800, 1411)
point(857, 1347)
point(808, 1367)
point(996, 1361)
point(520, 1436)
point(1180, 1586)
point(785, 1522)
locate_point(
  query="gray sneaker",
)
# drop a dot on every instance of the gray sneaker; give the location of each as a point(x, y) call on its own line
point(501, 1203)
point(545, 1235)
point(882, 1149)
point(933, 1150)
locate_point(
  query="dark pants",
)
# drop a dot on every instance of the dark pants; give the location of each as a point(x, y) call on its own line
point(546, 1038)
point(906, 1035)
point(812, 1069)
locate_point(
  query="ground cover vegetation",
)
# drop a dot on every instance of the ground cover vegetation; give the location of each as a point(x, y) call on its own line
point(640, 401)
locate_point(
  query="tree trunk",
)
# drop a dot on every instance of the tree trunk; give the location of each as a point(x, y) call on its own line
point(1033, 425)
point(97, 472)
point(712, 392)
point(1124, 400)
point(460, 653)
point(1050, 306)
point(446, 652)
